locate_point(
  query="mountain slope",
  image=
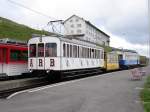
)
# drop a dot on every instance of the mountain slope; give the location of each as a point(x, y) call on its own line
point(10, 29)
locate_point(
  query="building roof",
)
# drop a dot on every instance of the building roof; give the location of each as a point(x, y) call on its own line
point(124, 50)
point(12, 41)
point(89, 23)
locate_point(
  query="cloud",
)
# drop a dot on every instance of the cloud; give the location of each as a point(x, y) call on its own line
point(125, 19)
point(118, 42)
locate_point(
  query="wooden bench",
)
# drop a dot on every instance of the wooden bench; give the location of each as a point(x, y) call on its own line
point(142, 72)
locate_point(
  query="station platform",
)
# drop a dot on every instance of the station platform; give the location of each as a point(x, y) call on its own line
point(112, 92)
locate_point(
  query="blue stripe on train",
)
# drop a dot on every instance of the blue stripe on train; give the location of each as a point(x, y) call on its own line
point(128, 62)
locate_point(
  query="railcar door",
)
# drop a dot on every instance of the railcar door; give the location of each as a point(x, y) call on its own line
point(51, 60)
point(40, 56)
point(32, 56)
point(3, 57)
point(120, 58)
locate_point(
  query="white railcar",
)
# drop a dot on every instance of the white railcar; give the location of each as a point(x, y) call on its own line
point(59, 54)
point(128, 58)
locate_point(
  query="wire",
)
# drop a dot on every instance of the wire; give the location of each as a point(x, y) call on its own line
point(37, 12)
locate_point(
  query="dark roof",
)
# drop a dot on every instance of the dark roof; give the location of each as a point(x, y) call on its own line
point(127, 50)
point(71, 17)
point(124, 50)
point(97, 28)
point(89, 24)
point(74, 35)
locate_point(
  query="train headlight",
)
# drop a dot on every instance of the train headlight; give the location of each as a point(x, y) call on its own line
point(30, 71)
point(47, 71)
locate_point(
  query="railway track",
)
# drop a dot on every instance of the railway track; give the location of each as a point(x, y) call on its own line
point(19, 85)
point(37, 82)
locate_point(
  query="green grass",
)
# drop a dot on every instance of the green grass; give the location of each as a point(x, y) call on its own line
point(147, 107)
point(10, 29)
point(145, 95)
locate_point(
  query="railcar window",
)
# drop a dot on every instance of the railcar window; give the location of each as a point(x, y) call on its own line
point(92, 54)
point(74, 51)
point(17, 55)
point(88, 52)
point(14, 55)
point(40, 50)
point(24, 55)
point(64, 50)
point(3, 54)
point(85, 53)
point(78, 52)
point(50, 50)
point(95, 53)
point(32, 50)
point(67, 50)
point(83, 50)
point(70, 50)
point(102, 55)
point(98, 54)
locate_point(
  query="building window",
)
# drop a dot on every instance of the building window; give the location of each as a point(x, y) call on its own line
point(72, 32)
point(103, 43)
point(79, 25)
point(77, 20)
point(72, 26)
point(71, 21)
point(78, 31)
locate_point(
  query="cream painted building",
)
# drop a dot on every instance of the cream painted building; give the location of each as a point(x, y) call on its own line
point(75, 25)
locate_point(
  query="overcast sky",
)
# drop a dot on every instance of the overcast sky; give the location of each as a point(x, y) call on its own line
point(126, 21)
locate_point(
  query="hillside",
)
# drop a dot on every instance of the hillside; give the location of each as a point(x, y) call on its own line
point(10, 29)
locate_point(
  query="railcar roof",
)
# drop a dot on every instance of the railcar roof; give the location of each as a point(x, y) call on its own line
point(124, 50)
point(6, 45)
point(72, 40)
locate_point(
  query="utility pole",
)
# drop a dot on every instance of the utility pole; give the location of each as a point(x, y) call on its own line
point(149, 30)
point(54, 26)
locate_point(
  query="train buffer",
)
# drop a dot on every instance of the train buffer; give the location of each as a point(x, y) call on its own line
point(136, 74)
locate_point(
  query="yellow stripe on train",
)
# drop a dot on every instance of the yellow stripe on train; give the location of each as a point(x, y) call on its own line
point(112, 66)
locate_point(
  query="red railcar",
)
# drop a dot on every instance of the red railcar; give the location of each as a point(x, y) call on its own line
point(13, 59)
